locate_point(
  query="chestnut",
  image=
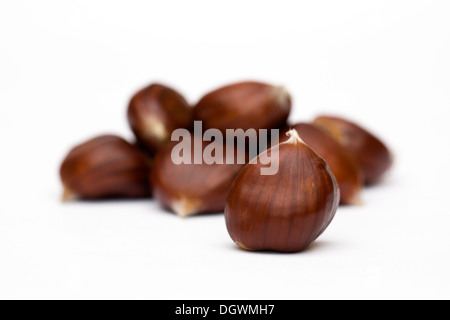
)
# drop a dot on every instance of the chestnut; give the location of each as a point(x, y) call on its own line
point(244, 105)
point(287, 211)
point(192, 188)
point(155, 112)
point(341, 163)
point(371, 154)
point(105, 167)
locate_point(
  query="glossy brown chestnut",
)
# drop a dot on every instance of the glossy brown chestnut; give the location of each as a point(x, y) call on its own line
point(190, 189)
point(244, 106)
point(155, 112)
point(105, 167)
point(285, 212)
point(372, 155)
point(341, 163)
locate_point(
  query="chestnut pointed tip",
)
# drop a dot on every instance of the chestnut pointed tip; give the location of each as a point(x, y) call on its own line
point(356, 200)
point(294, 137)
point(155, 128)
point(240, 245)
point(68, 195)
point(282, 96)
point(184, 208)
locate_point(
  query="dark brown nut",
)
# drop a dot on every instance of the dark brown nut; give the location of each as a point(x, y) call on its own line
point(287, 211)
point(341, 163)
point(190, 189)
point(155, 112)
point(245, 105)
point(105, 167)
point(372, 155)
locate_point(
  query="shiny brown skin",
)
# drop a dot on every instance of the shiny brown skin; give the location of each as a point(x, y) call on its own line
point(285, 212)
point(372, 155)
point(341, 163)
point(155, 112)
point(244, 106)
point(105, 167)
point(190, 189)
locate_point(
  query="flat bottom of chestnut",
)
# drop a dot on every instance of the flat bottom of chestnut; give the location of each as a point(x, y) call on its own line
point(269, 250)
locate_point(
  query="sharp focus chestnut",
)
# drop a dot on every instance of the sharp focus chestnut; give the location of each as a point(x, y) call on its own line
point(371, 154)
point(245, 105)
point(105, 167)
point(155, 112)
point(287, 211)
point(341, 163)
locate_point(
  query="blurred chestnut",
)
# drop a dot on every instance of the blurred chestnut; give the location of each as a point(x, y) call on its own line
point(244, 105)
point(370, 153)
point(155, 112)
point(105, 167)
point(188, 188)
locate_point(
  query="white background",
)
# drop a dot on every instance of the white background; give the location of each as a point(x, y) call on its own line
point(67, 70)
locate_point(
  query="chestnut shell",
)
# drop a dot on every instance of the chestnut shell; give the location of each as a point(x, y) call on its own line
point(155, 112)
point(244, 105)
point(189, 189)
point(105, 167)
point(341, 163)
point(285, 212)
point(371, 154)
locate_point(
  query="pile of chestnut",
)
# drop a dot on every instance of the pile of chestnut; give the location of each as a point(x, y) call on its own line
point(321, 164)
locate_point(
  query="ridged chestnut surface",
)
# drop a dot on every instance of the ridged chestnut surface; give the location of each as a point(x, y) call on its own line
point(155, 112)
point(285, 212)
point(244, 105)
point(105, 167)
point(341, 163)
point(189, 189)
point(370, 153)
